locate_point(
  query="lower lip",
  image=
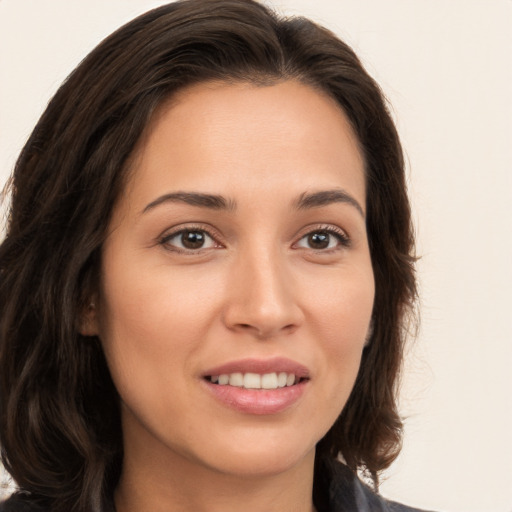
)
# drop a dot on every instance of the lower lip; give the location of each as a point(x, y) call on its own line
point(258, 401)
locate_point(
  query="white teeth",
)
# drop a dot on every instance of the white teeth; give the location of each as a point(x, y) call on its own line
point(269, 381)
point(281, 379)
point(252, 381)
point(255, 380)
point(236, 379)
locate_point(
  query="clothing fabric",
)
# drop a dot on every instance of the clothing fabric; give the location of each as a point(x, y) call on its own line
point(344, 492)
point(337, 489)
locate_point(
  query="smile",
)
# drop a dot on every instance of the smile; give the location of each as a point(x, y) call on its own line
point(250, 380)
point(258, 386)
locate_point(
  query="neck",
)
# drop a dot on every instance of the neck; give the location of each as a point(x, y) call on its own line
point(180, 485)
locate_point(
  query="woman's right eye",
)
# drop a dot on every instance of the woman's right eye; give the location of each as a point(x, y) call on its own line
point(187, 240)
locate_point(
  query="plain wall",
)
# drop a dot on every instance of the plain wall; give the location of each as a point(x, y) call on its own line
point(445, 65)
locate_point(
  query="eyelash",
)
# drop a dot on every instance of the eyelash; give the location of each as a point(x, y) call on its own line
point(164, 240)
point(333, 231)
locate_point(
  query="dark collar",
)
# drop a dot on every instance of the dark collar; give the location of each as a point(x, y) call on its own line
point(338, 489)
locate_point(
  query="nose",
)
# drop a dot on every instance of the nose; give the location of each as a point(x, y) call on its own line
point(262, 297)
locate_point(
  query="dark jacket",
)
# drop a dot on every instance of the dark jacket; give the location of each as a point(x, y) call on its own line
point(337, 489)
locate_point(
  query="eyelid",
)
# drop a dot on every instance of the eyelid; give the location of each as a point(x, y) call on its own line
point(339, 233)
point(167, 235)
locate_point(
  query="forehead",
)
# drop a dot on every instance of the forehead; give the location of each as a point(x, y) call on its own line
point(214, 134)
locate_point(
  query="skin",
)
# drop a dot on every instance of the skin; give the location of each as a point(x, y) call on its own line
point(258, 288)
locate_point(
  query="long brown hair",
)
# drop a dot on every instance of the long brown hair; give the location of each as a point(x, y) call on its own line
point(60, 429)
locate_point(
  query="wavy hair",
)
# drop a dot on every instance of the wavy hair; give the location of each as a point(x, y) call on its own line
point(60, 430)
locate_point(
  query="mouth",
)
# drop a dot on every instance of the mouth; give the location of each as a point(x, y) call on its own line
point(249, 380)
point(258, 386)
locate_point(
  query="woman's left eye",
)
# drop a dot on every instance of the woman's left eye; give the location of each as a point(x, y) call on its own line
point(189, 240)
point(323, 239)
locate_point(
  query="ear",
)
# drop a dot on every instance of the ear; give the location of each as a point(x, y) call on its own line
point(89, 321)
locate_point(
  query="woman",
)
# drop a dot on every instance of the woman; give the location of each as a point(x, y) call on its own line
point(207, 274)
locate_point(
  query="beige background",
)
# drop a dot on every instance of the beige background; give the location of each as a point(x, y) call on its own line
point(446, 68)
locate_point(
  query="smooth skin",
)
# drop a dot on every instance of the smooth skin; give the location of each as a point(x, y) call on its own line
point(278, 266)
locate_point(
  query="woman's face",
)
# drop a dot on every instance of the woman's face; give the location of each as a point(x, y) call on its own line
point(237, 286)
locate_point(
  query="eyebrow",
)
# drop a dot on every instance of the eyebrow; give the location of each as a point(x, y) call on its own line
point(211, 201)
point(218, 202)
point(327, 197)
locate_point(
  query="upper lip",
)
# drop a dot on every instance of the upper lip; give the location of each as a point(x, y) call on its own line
point(261, 366)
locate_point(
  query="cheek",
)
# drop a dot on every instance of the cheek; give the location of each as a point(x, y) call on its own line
point(150, 332)
point(341, 313)
point(144, 297)
point(342, 306)
point(152, 320)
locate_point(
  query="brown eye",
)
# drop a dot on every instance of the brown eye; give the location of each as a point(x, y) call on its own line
point(189, 240)
point(323, 239)
point(319, 240)
point(193, 239)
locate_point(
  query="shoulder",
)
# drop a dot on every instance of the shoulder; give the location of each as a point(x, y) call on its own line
point(348, 493)
point(19, 503)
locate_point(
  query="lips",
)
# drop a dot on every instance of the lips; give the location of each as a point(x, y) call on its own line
point(258, 386)
point(260, 366)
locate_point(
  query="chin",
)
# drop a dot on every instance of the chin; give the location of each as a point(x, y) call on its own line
point(259, 458)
